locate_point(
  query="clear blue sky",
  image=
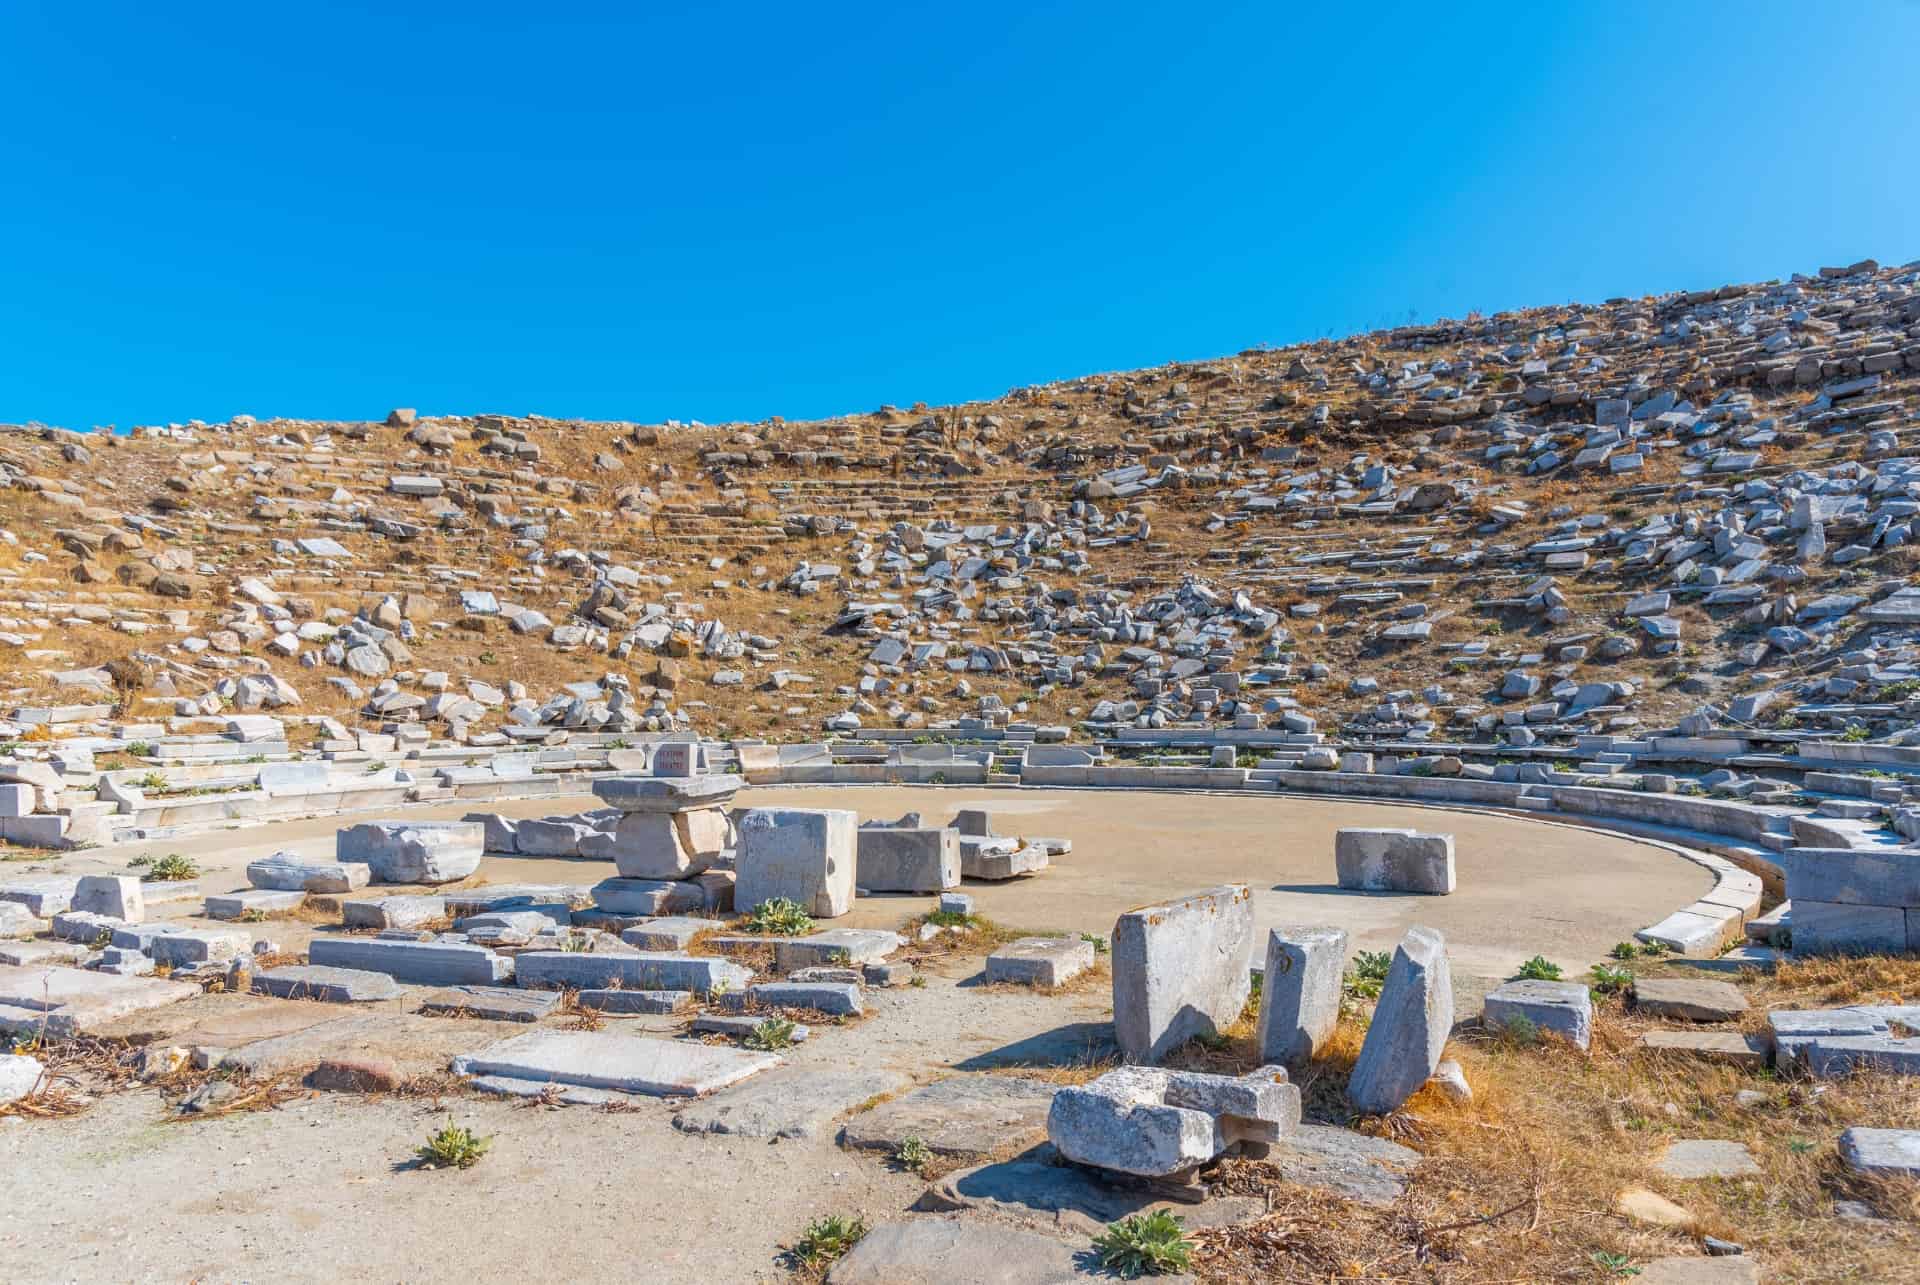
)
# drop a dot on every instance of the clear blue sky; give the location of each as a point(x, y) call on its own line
point(731, 211)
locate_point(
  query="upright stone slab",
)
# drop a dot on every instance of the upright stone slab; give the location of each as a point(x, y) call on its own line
point(806, 855)
point(1410, 1025)
point(414, 851)
point(895, 859)
point(1300, 992)
point(116, 896)
point(1181, 970)
point(1394, 861)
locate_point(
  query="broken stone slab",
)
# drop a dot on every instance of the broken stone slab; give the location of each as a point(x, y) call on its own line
point(1693, 1158)
point(1688, 999)
point(836, 999)
point(963, 1115)
point(666, 794)
point(63, 1002)
point(1736, 1048)
point(1180, 969)
point(24, 954)
point(633, 1003)
point(393, 912)
point(413, 851)
point(1158, 1123)
point(739, 1026)
point(1410, 1025)
point(938, 1251)
point(1881, 1153)
point(318, 982)
point(17, 921)
point(1354, 1165)
point(623, 1063)
point(1564, 1009)
point(787, 1103)
point(893, 859)
point(115, 896)
point(647, 897)
point(416, 963)
point(1040, 961)
point(1300, 992)
point(43, 898)
point(997, 860)
point(669, 933)
point(806, 855)
point(491, 1003)
point(285, 872)
point(834, 948)
point(661, 845)
point(640, 970)
point(1389, 860)
point(190, 947)
point(255, 902)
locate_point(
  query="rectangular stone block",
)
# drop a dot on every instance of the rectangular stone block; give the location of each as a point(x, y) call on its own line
point(1826, 927)
point(805, 855)
point(924, 861)
point(1040, 961)
point(413, 851)
point(16, 799)
point(417, 963)
point(1861, 877)
point(285, 872)
point(116, 896)
point(392, 912)
point(1410, 1025)
point(1389, 860)
point(191, 947)
point(624, 1063)
point(1564, 1009)
point(640, 971)
point(621, 1002)
point(262, 901)
point(836, 999)
point(669, 933)
point(332, 985)
point(1180, 970)
point(1300, 992)
point(835, 947)
point(647, 896)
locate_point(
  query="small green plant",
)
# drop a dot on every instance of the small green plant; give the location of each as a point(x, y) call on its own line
point(488, 658)
point(1096, 941)
point(175, 867)
point(1624, 950)
point(376, 767)
point(780, 917)
point(937, 778)
point(772, 1035)
point(914, 1155)
point(139, 863)
point(252, 916)
point(1617, 1265)
point(153, 781)
point(1856, 732)
point(1368, 974)
point(827, 1238)
point(950, 919)
point(453, 1146)
point(141, 749)
point(1145, 1245)
point(1540, 969)
point(1611, 979)
point(1518, 1029)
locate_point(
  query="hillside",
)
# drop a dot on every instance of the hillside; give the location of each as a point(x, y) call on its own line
point(1518, 528)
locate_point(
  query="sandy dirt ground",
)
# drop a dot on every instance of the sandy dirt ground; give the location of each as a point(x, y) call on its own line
point(321, 1188)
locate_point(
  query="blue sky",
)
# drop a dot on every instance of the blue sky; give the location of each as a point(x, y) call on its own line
point(727, 212)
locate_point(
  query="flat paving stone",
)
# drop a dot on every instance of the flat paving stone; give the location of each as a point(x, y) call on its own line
point(1735, 1047)
point(669, 932)
point(1040, 961)
point(939, 1251)
point(623, 1063)
point(249, 901)
point(1707, 1158)
point(1038, 1187)
point(493, 1003)
point(1688, 999)
point(788, 1103)
point(740, 1027)
point(68, 1001)
point(1882, 1152)
point(1354, 1165)
point(634, 1003)
point(1735, 1269)
point(334, 985)
point(963, 1115)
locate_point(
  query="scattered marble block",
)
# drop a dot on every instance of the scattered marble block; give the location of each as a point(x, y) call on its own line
point(622, 1063)
point(956, 903)
point(835, 999)
point(253, 901)
point(739, 1026)
point(672, 932)
point(413, 851)
point(191, 947)
point(665, 794)
point(334, 985)
point(661, 845)
point(1736, 1048)
point(1737, 1269)
point(648, 897)
point(893, 859)
point(1564, 1009)
point(963, 1115)
point(1688, 999)
point(804, 855)
point(633, 1003)
point(1157, 1123)
point(928, 1250)
point(1040, 961)
point(1410, 1025)
point(63, 1002)
point(788, 1103)
point(19, 1076)
point(1300, 992)
point(998, 860)
point(491, 1003)
point(1388, 860)
point(393, 912)
point(834, 948)
point(1692, 1158)
point(115, 896)
point(16, 921)
point(1180, 969)
point(416, 963)
point(285, 872)
point(636, 970)
point(1881, 1152)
